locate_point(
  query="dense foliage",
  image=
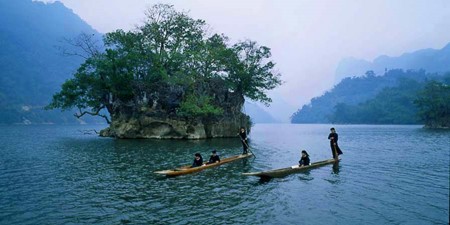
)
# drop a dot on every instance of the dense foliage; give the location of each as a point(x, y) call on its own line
point(434, 103)
point(170, 64)
point(393, 105)
point(371, 99)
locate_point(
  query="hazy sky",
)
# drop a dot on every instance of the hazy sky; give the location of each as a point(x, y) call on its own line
point(307, 38)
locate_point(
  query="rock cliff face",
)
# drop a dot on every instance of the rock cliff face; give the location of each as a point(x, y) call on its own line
point(150, 120)
point(170, 128)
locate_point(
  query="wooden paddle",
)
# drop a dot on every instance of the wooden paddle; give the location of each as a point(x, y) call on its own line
point(248, 148)
point(335, 152)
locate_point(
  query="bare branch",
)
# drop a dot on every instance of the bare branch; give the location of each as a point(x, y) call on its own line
point(88, 131)
point(84, 46)
point(95, 113)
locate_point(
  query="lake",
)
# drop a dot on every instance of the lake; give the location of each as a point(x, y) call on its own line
point(388, 174)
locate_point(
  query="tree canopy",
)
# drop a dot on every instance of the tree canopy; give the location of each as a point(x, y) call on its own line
point(392, 105)
point(371, 99)
point(434, 103)
point(170, 63)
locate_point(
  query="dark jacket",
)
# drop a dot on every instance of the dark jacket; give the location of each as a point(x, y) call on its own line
point(334, 145)
point(214, 158)
point(304, 161)
point(243, 135)
point(334, 136)
point(197, 163)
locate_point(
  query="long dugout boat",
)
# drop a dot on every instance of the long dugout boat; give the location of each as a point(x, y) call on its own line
point(187, 169)
point(278, 173)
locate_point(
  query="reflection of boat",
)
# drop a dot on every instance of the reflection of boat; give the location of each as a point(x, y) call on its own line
point(187, 169)
point(289, 170)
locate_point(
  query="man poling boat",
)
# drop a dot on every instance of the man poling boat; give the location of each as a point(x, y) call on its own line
point(243, 135)
point(244, 140)
point(333, 137)
point(304, 163)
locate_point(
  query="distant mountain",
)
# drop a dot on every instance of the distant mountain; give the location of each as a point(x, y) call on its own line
point(279, 108)
point(354, 91)
point(359, 81)
point(431, 60)
point(257, 114)
point(32, 68)
point(411, 102)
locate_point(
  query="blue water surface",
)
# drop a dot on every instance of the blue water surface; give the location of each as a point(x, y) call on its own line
point(388, 175)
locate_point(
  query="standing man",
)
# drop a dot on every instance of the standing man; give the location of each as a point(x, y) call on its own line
point(333, 137)
point(243, 136)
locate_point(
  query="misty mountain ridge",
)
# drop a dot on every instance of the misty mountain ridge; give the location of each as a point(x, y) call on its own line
point(357, 90)
point(430, 60)
point(257, 113)
point(32, 66)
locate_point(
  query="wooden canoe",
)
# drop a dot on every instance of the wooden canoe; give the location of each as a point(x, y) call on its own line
point(187, 169)
point(278, 173)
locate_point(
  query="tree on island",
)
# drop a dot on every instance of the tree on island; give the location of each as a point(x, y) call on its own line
point(171, 66)
point(434, 104)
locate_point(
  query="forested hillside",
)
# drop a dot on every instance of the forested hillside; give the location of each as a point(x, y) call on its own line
point(369, 99)
point(32, 66)
point(393, 105)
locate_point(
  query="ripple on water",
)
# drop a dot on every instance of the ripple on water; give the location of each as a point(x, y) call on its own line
point(388, 175)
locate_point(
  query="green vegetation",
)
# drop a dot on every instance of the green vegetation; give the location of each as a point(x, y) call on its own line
point(434, 103)
point(393, 105)
point(170, 65)
point(198, 106)
point(398, 97)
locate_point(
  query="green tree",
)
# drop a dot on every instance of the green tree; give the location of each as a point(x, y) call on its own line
point(434, 104)
point(251, 73)
point(393, 105)
point(169, 64)
point(368, 99)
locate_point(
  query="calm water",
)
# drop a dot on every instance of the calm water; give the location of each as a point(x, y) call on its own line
point(388, 175)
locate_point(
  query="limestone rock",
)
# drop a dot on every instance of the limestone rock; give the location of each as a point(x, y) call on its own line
point(170, 128)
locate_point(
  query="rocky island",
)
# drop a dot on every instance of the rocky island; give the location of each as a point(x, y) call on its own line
point(168, 78)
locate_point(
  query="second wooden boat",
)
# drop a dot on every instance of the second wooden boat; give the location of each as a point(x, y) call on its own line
point(278, 173)
point(187, 169)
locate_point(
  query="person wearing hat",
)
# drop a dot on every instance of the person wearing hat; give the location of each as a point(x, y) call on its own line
point(333, 137)
point(304, 161)
point(198, 160)
point(214, 158)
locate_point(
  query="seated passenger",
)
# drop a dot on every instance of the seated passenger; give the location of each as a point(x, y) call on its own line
point(198, 161)
point(214, 158)
point(304, 161)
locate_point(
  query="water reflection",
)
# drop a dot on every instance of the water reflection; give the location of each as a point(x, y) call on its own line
point(334, 179)
point(56, 175)
point(306, 176)
point(336, 168)
point(264, 180)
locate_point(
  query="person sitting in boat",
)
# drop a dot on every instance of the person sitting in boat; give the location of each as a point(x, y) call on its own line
point(304, 161)
point(198, 160)
point(214, 158)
